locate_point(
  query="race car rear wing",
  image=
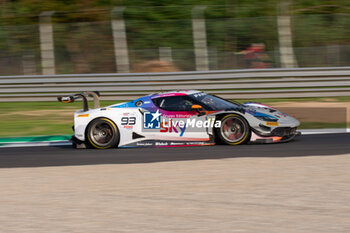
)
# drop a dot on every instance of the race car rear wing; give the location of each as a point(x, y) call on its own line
point(83, 96)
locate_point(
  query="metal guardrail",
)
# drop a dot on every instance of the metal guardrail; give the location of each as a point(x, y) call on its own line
point(235, 84)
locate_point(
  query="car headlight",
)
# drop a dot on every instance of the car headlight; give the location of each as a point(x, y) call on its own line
point(267, 118)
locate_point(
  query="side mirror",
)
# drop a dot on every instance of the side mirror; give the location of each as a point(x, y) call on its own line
point(196, 107)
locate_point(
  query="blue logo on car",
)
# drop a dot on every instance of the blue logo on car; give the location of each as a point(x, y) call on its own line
point(151, 120)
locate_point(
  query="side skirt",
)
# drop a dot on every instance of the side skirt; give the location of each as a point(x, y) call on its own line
point(165, 143)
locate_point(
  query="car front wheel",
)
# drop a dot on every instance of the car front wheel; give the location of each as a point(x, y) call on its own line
point(234, 130)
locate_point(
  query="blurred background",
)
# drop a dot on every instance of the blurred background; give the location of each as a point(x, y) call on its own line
point(106, 36)
point(123, 38)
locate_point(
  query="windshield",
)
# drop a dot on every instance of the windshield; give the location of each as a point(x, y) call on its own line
point(213, 102)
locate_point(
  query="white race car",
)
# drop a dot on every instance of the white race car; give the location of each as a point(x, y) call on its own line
point(177, 118)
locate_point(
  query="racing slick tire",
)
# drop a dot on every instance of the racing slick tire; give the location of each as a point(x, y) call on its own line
point(102, 133)
point(234, 130)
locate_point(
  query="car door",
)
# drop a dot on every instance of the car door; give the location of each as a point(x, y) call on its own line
point(179, 121)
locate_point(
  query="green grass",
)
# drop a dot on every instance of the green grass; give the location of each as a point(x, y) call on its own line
point(45, 118)
point(29, 106)
point(34, 128)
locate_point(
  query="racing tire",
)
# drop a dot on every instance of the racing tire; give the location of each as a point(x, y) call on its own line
point(102, 133)
point(234, 130)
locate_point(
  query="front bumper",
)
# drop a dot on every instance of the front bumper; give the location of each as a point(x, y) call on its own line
point(284, 131)
point(279, 134)
point(265, 131)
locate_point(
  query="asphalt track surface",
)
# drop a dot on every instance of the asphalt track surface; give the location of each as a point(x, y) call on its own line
point(308, 145)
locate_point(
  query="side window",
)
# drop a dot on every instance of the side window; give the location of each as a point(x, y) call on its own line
point(174, 103)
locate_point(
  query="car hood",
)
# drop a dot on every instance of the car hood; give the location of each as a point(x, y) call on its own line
point(257, 109)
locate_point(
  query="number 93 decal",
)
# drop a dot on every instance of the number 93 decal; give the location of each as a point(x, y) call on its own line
point(128, 121)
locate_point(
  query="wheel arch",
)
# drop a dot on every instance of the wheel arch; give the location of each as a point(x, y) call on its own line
point(99, 117)
point(219, 116)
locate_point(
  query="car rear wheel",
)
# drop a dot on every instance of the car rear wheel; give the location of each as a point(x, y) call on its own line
point(234, 130)
point(102, 133)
